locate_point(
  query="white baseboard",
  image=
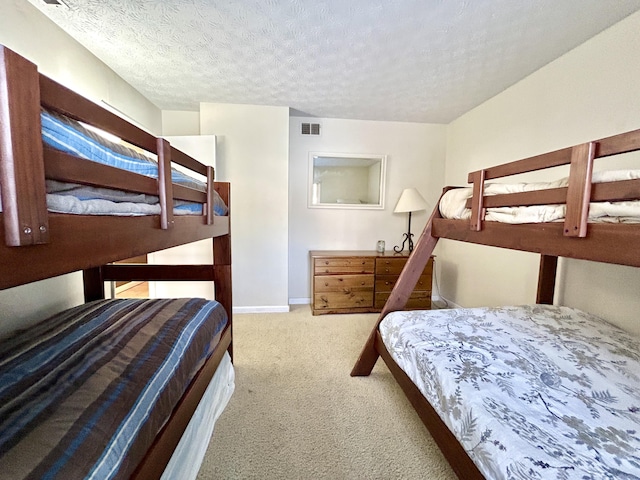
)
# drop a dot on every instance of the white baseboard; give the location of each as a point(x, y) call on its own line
point(299, 301)
point(270, 309)
point(306, 301)
point(434, 299)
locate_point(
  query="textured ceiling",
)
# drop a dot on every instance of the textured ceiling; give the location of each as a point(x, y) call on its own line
point(404, 60)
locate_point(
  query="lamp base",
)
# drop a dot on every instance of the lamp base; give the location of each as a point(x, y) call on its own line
point(406, 238)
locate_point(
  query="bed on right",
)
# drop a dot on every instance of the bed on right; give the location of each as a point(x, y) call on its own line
point(534, 391)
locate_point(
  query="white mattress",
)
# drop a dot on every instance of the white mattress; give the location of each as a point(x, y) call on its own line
point(85, 200)
point(452, 204)
point(188, 455)
point(530, 392)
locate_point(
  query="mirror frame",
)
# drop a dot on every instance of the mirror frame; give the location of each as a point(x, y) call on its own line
point(348, 158)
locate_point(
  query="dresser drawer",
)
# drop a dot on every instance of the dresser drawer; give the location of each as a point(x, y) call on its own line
point(385, 283)
point(344, 299)
point(393, 266)
point(339, 283)
point(343, 265)
point(417, 300)
point(389, 266)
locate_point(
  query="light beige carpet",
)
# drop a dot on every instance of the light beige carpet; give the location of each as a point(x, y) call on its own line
point(297, 414)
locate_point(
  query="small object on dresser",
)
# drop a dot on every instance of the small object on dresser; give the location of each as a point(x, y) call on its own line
point(380, 246)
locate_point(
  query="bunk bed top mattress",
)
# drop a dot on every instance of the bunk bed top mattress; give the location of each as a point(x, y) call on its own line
point(529, 392)
point(72, 137)
point(452, 203)
point(84, 393)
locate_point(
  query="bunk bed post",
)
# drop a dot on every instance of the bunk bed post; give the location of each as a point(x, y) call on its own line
point(579, 190)
point(547, 279)
point(21, 154)
point(165, 185)
point(210, 197)
point(222, 277)
point(93, 279)
point(477, 202)
point(222, 264)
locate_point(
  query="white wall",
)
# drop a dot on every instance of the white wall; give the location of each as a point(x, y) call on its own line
point(179, 122)
point(253, 154)
point(28, 32)
point(589, 93)
point(416, 155)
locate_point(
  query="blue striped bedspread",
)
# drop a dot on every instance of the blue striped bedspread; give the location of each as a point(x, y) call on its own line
point(84, 393)
point(70, 136)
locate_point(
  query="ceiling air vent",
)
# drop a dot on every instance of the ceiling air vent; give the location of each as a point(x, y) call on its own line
point(310, 129)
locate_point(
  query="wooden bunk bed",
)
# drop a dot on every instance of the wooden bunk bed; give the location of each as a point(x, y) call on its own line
point(37, 244)
point(575, 237)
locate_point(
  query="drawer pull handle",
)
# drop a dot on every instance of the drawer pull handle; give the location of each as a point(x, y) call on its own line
point(387, 283)
point(326, 284)
point(362, 283)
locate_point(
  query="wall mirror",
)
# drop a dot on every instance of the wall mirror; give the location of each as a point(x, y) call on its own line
point(346, 180)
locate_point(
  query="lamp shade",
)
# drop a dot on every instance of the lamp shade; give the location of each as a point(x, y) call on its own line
point(410, 201)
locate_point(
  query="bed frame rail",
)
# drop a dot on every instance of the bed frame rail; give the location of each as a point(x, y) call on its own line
point(576, 195)
point(91, 245)
point(24, 163)
point(157, 458)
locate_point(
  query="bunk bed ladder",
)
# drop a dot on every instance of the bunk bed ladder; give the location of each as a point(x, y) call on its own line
point(400, 294)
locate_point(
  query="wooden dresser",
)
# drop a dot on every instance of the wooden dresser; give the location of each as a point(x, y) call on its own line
point(344, 281)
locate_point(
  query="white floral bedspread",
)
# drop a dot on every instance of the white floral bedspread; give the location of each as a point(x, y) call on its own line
point(530, 392)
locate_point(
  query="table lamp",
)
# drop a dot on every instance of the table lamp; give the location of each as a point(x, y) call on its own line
point(410, 201)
